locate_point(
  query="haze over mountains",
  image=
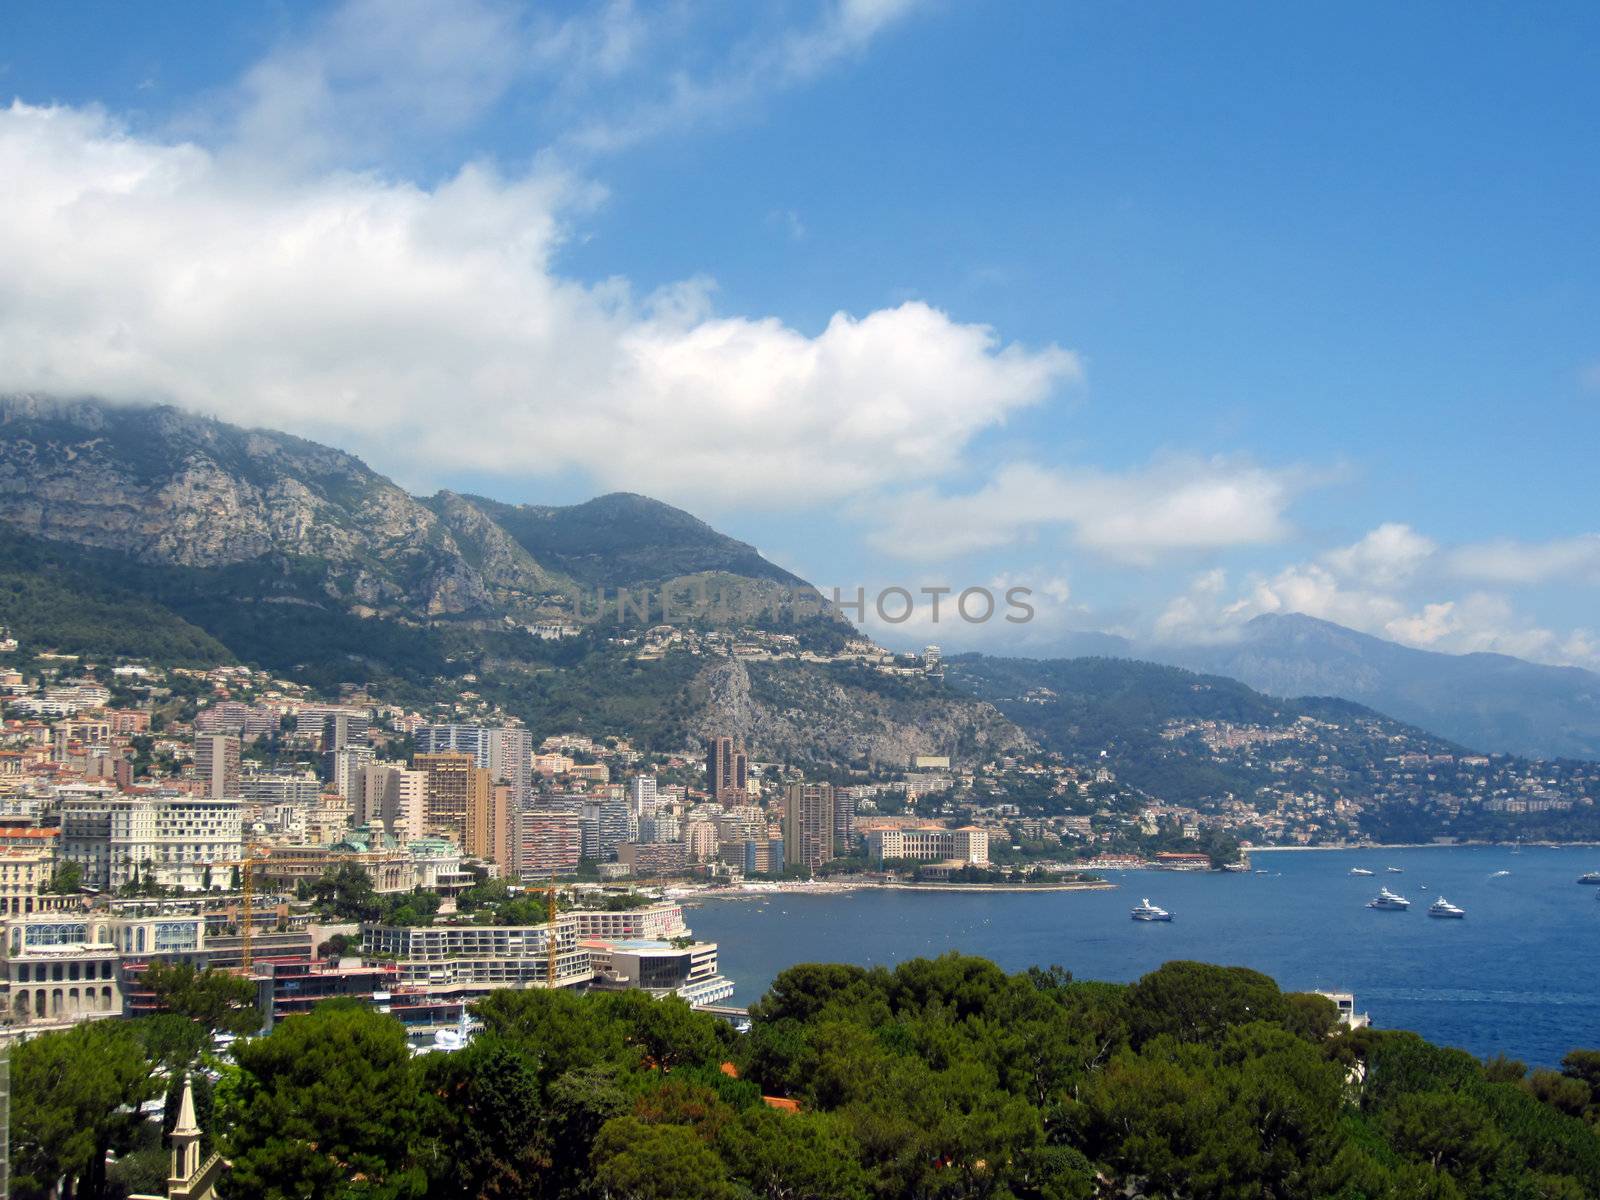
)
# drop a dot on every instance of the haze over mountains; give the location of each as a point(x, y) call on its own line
point(1490, 702)
point(284, 550)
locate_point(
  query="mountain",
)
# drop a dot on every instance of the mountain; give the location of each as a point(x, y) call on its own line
point(624, 540)
point(1490, 702)
point(149, 532)
point(1323, 767)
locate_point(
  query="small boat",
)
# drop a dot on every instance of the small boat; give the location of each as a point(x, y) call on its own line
point(1145, 911)
point(1499, 874)
point(1395, 870)
point(1388, 901)
point(1443, 908)
point(1589, 877)
point(1359, 871)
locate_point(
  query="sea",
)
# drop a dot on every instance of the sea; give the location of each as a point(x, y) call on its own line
point(1519, 976)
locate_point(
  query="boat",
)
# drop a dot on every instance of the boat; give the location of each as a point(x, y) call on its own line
point(1149, 912)
point(1395, 870)
point(1589, 877)
point(1499, 874)
point(1443, 908)
point(1359, 871)
point(1389, 901)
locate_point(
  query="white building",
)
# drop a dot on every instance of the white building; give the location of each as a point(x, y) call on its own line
point(175, 841)
point(655, 921)
point(968, 845)
point(473, 960)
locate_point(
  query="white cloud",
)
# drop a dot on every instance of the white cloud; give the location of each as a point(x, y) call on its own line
point(1514, 562)
point(763, 64)
point(1210, 610)
point(1178, 504)
point(1388, 555)
point(374, 71)
point(426, 326)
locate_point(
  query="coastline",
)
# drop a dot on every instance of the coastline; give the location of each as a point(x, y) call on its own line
point(751, 891)
point(1416, 846)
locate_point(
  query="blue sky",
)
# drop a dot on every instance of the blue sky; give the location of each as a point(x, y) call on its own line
point(1177, 314)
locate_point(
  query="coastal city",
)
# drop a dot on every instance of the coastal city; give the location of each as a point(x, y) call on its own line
point(344, 846)
point(832, 600)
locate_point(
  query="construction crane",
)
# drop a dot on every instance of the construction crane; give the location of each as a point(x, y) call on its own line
point(550, 936)
point(253, 854)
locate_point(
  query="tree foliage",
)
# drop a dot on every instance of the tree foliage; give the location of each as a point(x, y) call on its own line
point(944, 1079)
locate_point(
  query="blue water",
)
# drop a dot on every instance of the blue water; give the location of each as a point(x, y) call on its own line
point(1520, 975)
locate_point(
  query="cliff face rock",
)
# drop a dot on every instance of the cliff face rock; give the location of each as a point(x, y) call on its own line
point(173, 489)
point(802, 712)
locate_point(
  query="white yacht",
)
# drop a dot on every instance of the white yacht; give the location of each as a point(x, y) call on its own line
point(1149, 912)
point(1443, 908)
point(1389, 901)
point(1395, 870)
point(1500, 874)
point(1359, 871)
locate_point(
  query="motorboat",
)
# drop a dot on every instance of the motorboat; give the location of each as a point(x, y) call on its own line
point(1359, 871)
point(1499, 874)
point(1443, 908)
point(1388, 901)
point(1145, 911)
point(1395, 870)
point(1589, 877)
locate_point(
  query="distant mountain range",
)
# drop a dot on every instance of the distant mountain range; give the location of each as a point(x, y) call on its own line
point(1490, 702)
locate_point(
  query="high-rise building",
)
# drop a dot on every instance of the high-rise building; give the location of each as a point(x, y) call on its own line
point(808, 825)
point(453, 782)
point(700, 841)
point(505, 752)
point(604, 828)
point(642, 798)
point(548, 837)
point(394, 797)
point(844, 822)
point(216, 765)
point(341, 729)
point(662, 828)
point(491, 823)
point(727, 771)
point(345, 766)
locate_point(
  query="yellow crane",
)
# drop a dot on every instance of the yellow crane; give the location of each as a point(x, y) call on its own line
point(550, 936)
point(253, 854)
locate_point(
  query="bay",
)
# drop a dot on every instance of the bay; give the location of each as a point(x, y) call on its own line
point(1519, 976)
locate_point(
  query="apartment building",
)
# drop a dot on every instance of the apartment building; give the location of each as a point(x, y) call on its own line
point(472, 960)
point(549, 837)
point(25, 873)
point(216, 765)
point(647, 859)
point(808, 824)
point(491, 825)
point(391, 797)
point(455, 781)
point(659, 921)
